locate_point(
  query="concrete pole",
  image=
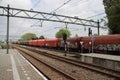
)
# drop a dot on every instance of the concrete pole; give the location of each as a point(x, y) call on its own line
point(7, 41)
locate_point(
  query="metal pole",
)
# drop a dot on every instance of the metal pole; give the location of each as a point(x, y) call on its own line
point(81, 48)
point(89, 47)
point(92, 47)
point(81, 42)
point(66, 25)
point(7, 41)
point(98, 27)
point(65, 48)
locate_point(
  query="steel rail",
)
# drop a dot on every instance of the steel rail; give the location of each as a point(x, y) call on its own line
point(98, 69)
point(69, 77)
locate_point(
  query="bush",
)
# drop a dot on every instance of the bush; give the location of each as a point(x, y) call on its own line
point(3, 46)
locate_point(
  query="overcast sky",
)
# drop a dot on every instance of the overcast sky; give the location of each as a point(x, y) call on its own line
point(80, 8)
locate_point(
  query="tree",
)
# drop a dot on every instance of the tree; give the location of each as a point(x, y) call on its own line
point(41, 37)
point(112, 8)
point(76, 35)
point(28, 36)
point(60, 33)
point(95, 34)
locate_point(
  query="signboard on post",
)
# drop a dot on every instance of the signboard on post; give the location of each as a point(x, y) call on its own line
point(93, 39)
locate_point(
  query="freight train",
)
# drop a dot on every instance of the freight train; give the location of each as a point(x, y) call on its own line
point(101, 44)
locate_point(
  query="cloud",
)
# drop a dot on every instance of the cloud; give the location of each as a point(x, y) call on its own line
point(26, 4)
point(80, 8)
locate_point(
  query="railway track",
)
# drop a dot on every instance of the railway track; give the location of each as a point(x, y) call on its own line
point(50, 71)
point(90, 68)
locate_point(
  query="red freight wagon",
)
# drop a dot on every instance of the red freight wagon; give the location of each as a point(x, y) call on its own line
point(104, 42)
point(80, 41)
point(30, 42)
point(35, 42)
point(86, 41)
point(41, 42)
point(107, 39)
point(52, 42)
point(72, 43)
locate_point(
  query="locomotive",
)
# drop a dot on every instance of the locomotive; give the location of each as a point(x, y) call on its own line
point(100, 44)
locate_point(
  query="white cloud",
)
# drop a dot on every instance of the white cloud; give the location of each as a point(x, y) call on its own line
point(80, 8)
point(26, 4)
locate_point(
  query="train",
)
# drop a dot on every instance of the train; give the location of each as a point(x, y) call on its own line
point(87, 44)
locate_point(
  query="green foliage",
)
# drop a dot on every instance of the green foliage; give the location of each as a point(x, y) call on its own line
point(114, 19)
point(60, 33)
point(3, 45)
point(113, 15)
point(41, 37)
point(28, 36)
point(95, 34)
point(104, 21)
point(76, 35)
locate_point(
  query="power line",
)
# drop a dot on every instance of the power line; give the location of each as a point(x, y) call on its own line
point(55, 10)
point(31, 9)
point(96, 15)
point(82, 3)
point(61, 5)
point(102, 20)
point(51, 11)
point(78, 4)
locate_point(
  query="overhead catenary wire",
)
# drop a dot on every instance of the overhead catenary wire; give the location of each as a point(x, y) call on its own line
point(83, 1)
point(103, 13)
point(61, 5)
point(76, 1)
point(55, 10)
point(96, 15)
point(30, 9)
point(79, 3)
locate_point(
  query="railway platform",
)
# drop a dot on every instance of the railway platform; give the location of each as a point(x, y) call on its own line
point(104, 60)
point(14, 66)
